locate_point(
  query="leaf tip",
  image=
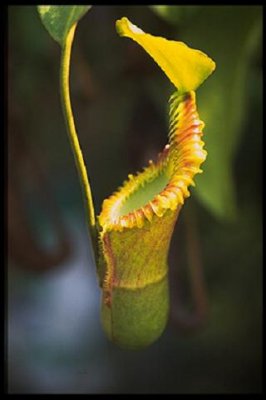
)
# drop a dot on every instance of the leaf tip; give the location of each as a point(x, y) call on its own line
point(125, 28)
point(42, 10)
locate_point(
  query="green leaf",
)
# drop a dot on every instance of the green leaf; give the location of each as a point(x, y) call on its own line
point(223, 102)
point(230, 35)
point(59, 19)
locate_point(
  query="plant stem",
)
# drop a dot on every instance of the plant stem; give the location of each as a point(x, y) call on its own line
point(67, 109)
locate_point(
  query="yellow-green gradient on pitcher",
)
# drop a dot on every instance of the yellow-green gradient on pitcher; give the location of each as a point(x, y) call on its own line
point(137, 222)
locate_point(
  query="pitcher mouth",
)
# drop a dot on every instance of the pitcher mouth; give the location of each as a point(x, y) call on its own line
point(162, 185)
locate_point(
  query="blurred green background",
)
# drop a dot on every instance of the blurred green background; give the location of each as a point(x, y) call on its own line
point(119, 95)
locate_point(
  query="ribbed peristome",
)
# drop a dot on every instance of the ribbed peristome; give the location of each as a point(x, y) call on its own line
point(179, 161)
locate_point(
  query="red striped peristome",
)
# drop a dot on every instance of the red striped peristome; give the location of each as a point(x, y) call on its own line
point(180, 160)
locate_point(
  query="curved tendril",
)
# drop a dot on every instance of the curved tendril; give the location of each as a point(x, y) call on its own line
point(69, 118)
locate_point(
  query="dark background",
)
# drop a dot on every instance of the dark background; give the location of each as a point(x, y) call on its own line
point(55, 340)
